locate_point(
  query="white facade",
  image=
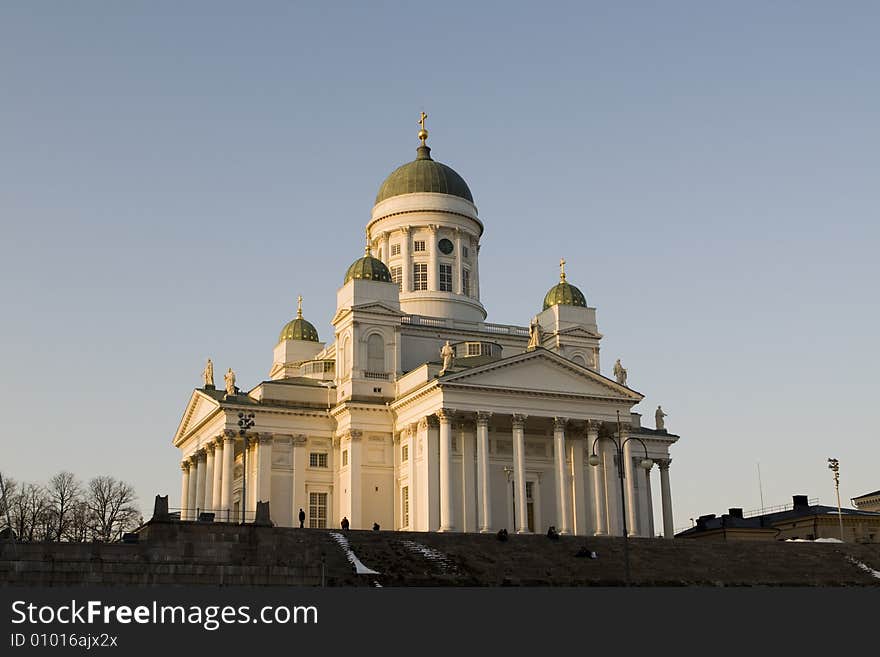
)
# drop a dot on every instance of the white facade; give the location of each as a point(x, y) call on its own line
point(373, 428)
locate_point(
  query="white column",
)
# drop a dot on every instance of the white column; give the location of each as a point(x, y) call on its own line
point(468, 483)
point(649, 502)
point(600, 505)
point(456, 276)
point(630, 473)
point(580, 515)
point(666, 496)
point(191, 492)
point(447, 523)
point(216, 488)
point(209, 475)
point(411, 432)
point(184, 489)
point(406, 270)
point(264, 469)
point(484, 492)
point(201, 458)
point(562, 484)
point(298, 488)
point(355, 491)
point(519, 473)
point(476, 271)
point(228, 474)
point(252, 458)
point(386, 257)
point(432, 258)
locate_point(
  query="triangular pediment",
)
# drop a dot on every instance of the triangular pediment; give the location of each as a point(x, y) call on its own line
point(542, 371)
point(377, 307)
point(200, 406)
point(579, 331)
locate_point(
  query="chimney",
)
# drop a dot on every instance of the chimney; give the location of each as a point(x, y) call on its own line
point(800, 501)
point(703, 520)
point(735, 513)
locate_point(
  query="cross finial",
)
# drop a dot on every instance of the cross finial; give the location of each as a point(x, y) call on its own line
point(562, 269)
point(423, 132)
point(299, 306)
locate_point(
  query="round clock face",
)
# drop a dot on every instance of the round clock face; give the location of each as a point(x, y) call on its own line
point(445, 246)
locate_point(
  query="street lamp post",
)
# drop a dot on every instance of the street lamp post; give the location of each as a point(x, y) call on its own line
point(245, 423)
point(646, 463)
point(834, 466)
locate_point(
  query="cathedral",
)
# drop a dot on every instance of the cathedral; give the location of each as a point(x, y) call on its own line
point(418, 414)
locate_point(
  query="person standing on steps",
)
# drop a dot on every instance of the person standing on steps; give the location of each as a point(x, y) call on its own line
point(302, 518)
point(344, 522)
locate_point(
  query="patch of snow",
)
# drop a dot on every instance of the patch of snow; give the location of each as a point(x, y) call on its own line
point(432, 555)
point(865, 567)
point(818, 540)
point(359, 567)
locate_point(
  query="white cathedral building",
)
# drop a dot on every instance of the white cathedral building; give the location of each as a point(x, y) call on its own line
point(419, 414)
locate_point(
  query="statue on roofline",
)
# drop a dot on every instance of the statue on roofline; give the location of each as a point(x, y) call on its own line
point(619, 373)
point(208, 375)
point(448, 355)
point(229, 378)
point(658, 419)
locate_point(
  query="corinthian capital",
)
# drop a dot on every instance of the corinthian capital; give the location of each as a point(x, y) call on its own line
point(445, 414)
point(483, 418)
point(519, 420)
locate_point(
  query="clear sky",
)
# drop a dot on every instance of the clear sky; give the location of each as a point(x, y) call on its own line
point(173, 175)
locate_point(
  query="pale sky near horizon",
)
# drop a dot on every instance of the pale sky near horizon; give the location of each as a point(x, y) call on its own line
point(173, 175)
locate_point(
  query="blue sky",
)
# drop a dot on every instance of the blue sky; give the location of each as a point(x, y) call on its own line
point(173, 176)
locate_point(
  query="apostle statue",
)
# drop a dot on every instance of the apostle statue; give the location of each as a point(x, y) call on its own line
point(534, 334)
point(619, 373)
point(229, 378)
point(658, 419)
point(448, 355)
point(208, 375)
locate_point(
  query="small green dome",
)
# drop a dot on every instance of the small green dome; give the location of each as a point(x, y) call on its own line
point(424, 175)
point(564, 293)
point(368, 268)
point(298, 328)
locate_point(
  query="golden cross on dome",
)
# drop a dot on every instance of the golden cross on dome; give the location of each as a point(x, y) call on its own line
point(422, 120)
point(562, 269)
point(423, 133)
point(299, 306)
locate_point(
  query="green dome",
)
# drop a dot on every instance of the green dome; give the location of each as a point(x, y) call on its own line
point(564, 294)
point(298, 328)
point(368, 268)
point(424, 175)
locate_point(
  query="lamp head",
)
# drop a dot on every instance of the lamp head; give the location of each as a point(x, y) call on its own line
point(647, 464)
point(593, 460)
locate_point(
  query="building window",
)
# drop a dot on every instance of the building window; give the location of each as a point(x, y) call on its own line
point(420, 276)
point(446, 278)
point(404, 505)
point(466, 282)
point(404, 453)
point(464, 252)
point(419, 245)
point(473, 348)
point(318, 460)
point(318, 510)
point(344, 458)
point(375, 353)
point(395, 249)
point(397, 277)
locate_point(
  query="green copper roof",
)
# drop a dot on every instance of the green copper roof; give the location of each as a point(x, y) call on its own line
point(368, 268)
point(299, 329)
point(424, 175)
point(564, 294)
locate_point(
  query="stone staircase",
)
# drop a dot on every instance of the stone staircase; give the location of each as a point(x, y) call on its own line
point(193, 554)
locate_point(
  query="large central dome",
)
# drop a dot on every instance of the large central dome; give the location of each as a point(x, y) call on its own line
point(424, 175)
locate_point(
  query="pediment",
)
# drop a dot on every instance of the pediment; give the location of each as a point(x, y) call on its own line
point(378, 307)
point(579, 331)
point(200, 406)
point(542, 371)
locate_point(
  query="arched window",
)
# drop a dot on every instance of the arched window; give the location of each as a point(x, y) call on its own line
point(579, 359)
point(345, 358)
point(375, 353)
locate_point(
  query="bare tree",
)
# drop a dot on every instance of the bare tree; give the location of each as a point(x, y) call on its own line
point(29, 505)
point(64, 492)
point(8, 488)
point(111, 508)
